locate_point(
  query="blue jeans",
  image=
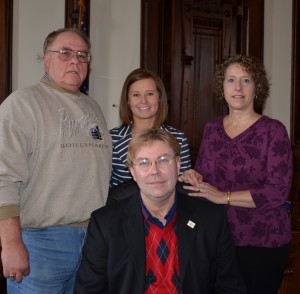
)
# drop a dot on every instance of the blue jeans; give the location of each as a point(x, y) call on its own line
point(54, 256)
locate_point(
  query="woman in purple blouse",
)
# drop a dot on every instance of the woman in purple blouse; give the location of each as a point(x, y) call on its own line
point(245, 160)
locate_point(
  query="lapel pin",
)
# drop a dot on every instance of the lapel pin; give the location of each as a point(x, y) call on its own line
point(191, 224)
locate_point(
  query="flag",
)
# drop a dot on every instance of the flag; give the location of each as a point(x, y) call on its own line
point(82, 25)
point(82, 20)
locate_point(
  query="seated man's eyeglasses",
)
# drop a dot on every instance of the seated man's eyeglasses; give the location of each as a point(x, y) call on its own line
point(161, 162)
point(67, 54)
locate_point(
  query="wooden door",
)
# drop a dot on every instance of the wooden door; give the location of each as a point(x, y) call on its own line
point(184, 40)
point(209, 37)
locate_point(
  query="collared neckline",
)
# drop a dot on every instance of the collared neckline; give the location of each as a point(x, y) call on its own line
point(46, 79)
point(154, 220)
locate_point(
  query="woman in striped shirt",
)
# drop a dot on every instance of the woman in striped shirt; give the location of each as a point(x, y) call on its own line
point(143, 105)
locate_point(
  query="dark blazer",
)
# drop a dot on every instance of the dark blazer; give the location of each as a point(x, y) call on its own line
point(114, 253)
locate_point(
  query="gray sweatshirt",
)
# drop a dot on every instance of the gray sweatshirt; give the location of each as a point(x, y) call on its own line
point(55, 156)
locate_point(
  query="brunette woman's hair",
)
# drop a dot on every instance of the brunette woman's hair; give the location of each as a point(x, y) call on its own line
point(138, 74)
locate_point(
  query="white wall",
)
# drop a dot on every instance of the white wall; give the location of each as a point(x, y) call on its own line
point(277, 58)
point(115, 36)
point(32, 21)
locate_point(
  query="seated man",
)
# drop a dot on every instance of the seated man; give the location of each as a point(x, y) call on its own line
point(158, 240)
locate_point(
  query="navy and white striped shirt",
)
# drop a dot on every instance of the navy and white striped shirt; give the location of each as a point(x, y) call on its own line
point(120, 138)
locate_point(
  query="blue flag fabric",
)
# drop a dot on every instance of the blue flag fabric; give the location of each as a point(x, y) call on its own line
point(82, 25)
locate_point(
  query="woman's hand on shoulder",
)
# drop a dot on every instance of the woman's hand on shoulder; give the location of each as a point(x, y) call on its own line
point(198, 188)
point(192, 178)
point(209, 192)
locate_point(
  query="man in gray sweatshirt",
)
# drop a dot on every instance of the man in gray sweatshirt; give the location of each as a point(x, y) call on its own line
point(55, 164)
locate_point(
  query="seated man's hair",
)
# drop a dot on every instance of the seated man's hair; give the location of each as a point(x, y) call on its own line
point(150, 136)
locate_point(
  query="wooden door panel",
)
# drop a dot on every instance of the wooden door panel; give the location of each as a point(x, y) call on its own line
point(184, 40)
point(208, 40)
point(200, 109)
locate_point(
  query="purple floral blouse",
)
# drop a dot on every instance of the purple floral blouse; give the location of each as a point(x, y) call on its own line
point(260, 160)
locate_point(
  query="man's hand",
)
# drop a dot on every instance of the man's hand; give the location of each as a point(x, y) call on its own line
point(14, 255)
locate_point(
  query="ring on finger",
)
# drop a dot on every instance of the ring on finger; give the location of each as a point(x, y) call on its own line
point(12, 277)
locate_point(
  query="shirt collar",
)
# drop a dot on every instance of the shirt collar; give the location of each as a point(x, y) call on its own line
point(46, 79)
point(154, 220)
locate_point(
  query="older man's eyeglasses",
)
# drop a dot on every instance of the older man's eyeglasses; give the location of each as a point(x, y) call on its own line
point(161, 162)
point(67, 54)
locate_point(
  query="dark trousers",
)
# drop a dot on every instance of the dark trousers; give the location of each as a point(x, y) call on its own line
point(262, 268)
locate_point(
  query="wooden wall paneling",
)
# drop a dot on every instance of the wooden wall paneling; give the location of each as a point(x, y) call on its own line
point(173, 86)
point(295, 139)
point(295, 103)
point(150, 33)
point(6, 27)
point(161, 42)
point(250, 39)
point(290, 282)
point(295, 115)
